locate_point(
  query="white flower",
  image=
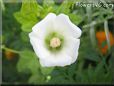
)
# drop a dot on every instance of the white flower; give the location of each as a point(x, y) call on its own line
point(55, 40)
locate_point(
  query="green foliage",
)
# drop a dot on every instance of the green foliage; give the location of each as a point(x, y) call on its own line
point(81, 71)
point(29, 61)
point(47, 3)
point(77, 19)
point(89, 53)
point(29, 12)
point(64, 7)
point(36, 79)
point(46, 71)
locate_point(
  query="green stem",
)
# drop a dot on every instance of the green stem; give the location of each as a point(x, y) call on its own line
point(107, 33)
point(95, 23)
point(92, 29)
point(5, 48)
point(105, 65)
point(2, 5)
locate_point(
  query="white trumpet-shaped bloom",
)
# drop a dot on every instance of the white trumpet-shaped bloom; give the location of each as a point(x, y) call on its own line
point(55, 40)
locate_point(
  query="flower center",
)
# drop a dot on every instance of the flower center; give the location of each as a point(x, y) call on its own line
point(55, 42)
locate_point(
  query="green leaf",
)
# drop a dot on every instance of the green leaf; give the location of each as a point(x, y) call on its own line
point(64, 7)
point(99, 70)
point(87, 51)
point(48, 7)
point(28, 61)
point(45, 11)
point(47, 3)
point(46, 71)
point(75, 18)
point(27, 17)
point(24, 36)
point(36, 79)
point(90, 74)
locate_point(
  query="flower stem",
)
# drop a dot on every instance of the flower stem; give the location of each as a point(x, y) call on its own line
point(107, 33)
point(5, 48)
point(95, 23)
point(2, 5)
point(92, 29)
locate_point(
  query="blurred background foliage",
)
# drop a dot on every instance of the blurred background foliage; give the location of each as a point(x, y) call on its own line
point(95, 63)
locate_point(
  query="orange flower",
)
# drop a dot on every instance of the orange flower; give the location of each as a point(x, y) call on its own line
point(102, 42)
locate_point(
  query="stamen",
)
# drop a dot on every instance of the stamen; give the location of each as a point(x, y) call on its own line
point(55, 42)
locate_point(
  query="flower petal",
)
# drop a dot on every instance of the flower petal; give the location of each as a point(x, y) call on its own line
point(45, 25)
point(38, 46)
point(63, 23)
point(71, 47)
point(56, 60)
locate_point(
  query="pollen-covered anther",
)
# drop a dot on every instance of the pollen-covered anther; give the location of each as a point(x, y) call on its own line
point(55, 42)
